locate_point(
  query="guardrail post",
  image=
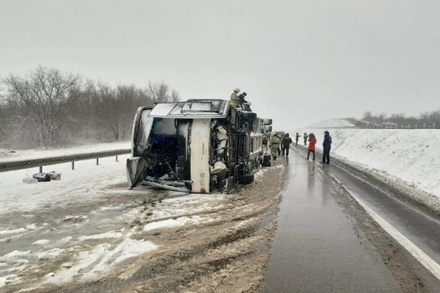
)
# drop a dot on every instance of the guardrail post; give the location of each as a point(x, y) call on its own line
point(117, 158)
point(97, 161)
point(73, 165)
point(41, 169)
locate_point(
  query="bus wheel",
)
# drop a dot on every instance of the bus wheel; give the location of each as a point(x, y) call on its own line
point(246, 179)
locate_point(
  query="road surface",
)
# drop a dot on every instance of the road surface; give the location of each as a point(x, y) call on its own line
point(326, 242)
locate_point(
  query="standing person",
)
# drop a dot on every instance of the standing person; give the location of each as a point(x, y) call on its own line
point(296, 138)
point(326, 145)
point(305, 138)
point(275, 141)
point(286, 144)
point(281, 144)
point(245, 105)
point(234, 98)
point(311, 148)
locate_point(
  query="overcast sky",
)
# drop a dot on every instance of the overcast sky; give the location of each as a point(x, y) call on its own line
point(299, 61)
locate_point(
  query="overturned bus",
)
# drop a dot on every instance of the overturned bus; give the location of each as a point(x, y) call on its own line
point(198, 146)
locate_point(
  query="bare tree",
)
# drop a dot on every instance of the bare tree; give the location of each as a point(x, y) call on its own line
point(121, 110)
point(175, 96)
point(144, 98)
point(4, 122)
point(112, 109)
point(381, 118)
point(47, 107)
point(39, 101)
point(425, 118)
point(160, 92)
point(368, 116)
point(100, 102)
point(81, 114)
point(398, 118)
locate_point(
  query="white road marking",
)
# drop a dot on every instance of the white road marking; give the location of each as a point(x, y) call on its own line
point(383, 191)
point(422, 257)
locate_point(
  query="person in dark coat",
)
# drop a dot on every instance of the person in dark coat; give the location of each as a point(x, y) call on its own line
point(286, 144)
point(296, 138)
point(326, 145)
point(305, 138)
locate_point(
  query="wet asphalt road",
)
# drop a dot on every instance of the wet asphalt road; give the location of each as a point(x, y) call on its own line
point(414, 222)
point(316, 248)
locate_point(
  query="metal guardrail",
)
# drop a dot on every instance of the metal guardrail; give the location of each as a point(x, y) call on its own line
point(25, 164)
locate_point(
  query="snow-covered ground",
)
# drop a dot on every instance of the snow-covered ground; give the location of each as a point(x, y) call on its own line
point(406, 159)
point(85, 181)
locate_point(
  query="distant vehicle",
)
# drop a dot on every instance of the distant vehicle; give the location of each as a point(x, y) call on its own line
point(198, 145)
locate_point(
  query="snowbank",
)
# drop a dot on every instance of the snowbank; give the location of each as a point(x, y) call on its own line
point(408, 160)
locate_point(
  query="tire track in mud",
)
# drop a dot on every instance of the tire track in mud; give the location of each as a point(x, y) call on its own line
point(226, 254)
point(40, 242)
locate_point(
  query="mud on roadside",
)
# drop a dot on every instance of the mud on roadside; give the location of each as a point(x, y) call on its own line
point(228, 253)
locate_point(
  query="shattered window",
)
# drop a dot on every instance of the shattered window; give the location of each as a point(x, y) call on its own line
point(165, 127)
point(143, 130)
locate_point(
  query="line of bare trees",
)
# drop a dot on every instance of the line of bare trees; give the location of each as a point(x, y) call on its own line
point(428, 118)
point(50, 108)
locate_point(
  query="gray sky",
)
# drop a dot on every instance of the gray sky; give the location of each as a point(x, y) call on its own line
point(299, 61)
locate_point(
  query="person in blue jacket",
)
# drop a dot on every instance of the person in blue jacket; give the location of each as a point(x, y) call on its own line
point(326, 145)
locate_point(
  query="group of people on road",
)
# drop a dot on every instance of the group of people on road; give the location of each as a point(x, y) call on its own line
point(277, 140)
point(326, 146)
point(284, 142)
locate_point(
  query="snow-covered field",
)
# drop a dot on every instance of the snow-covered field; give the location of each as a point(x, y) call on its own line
point(84, 182)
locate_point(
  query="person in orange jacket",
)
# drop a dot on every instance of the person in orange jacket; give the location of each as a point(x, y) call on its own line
point(311, 148)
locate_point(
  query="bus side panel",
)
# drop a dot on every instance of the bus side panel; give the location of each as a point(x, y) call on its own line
point(200, 151)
